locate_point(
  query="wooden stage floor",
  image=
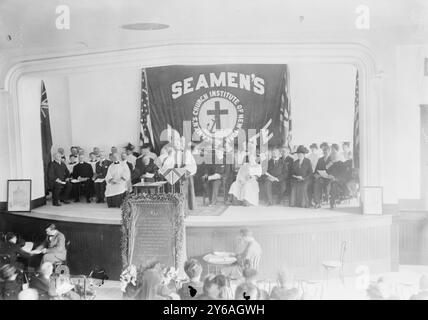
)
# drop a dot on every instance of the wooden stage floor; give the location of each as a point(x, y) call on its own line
point(202, 216)
point(290, 237)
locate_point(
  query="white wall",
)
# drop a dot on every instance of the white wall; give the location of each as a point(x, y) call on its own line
point(105, 108)
point(29, 92)
point(408, 92)
point(322, 103)
point(4, 145)
point(59, 110)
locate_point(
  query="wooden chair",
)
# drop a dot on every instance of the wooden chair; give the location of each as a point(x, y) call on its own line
point(331, 265)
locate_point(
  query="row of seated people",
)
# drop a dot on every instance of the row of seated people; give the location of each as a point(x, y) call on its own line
point(302, 178)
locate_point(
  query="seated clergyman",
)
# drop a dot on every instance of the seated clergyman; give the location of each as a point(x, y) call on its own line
point(145, 170)
point(82, 177)
point(99, 177)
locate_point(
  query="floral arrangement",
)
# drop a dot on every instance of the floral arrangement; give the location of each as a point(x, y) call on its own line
point(128, 276)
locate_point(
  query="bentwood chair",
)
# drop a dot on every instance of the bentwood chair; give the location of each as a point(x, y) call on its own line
point(331, 265)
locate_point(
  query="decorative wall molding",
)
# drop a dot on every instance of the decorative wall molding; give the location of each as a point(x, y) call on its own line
point(354, 54)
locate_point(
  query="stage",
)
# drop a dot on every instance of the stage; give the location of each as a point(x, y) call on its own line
point(297, 238)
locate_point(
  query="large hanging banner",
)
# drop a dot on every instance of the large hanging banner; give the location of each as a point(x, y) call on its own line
point(217, 100)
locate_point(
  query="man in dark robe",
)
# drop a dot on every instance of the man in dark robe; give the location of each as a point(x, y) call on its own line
point(276, 176)
point(59, 179)
point(83, 173)
point(301, 174)
point(100, 174)
point(146, 169)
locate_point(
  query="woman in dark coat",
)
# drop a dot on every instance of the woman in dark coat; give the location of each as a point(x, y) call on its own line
point(301, 174)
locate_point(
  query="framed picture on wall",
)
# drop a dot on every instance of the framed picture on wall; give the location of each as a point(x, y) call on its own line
point(372, 200)
point(19, 195)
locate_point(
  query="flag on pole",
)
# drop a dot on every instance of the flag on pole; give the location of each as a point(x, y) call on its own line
point(46, 134)
point(285, 114)
point(356, 146)
point(146, 133)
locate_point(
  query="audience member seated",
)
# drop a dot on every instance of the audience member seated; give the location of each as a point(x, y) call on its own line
point(116, 182)
point(250, 276)
point(211, 289)
point(321, 184)
point(9, 285)
point(53, 248)
point(43, 283)
point(12, 248)
point(381, 290)
point(423, 289)
point(168, 286)
point(83, 174)
point(247, 291)
point(285, 289)
point(59, 180)
point(99, 178)
point(151, 281)
point(146, 169)
point(301, 174)
point(276, 177)
point(192, 288)
point(213, 174)
point(245, 189)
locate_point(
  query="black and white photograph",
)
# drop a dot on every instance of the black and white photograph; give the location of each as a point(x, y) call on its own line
point(213, 150)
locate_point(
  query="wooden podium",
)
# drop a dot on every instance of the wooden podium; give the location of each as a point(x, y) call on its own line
point(153, 230)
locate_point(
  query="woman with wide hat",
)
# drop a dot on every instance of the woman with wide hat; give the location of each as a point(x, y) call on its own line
point(301, 173)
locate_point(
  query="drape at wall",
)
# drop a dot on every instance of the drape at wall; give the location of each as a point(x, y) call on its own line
point(46, 134)
point(356, 146)
point(218, 100)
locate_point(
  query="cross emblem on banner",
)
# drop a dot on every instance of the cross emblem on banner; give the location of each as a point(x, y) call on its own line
point(217, 112)
point(173, 175)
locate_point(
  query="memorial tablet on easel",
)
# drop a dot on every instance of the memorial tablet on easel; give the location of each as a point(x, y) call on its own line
point(154, 237)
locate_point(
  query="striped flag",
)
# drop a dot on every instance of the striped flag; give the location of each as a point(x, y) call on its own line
point(285, 115)
point(356, 147)
point(146, 133)
point(46, 135)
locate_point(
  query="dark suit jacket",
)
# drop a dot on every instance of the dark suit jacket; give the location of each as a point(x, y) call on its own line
point(278, 169)
point(83, 170)
point(57, 171)
point(101, 168)
point(141, 168)
point(305, 170)
point(321, 164)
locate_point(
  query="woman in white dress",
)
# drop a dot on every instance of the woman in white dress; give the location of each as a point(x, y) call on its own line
point(245, 189)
